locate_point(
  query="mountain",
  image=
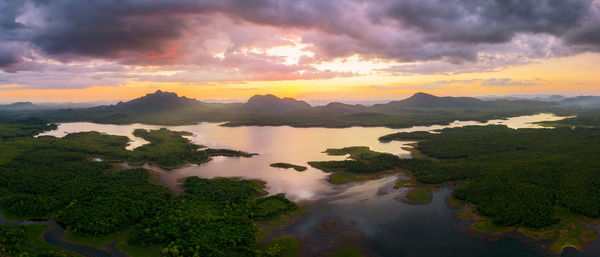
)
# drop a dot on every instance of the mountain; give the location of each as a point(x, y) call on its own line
point(166, 108)
point(337, 108)
point(540, 98)
point(273, 104)
point(427, 101)
point(157, 101)
point(19, 106)
point(552, 98)
point(582, 101)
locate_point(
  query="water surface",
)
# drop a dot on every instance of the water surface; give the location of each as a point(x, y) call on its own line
point(386, 226)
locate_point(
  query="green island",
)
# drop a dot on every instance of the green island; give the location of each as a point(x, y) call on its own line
point(169, 149)
point(57, 178)
point(540, 182)
point(284, 165)
point(363, 164)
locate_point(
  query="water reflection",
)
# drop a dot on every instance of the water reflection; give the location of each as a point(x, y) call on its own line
point(390, 227)
point(278, 144)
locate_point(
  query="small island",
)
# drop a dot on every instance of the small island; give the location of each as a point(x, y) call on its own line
point(363, 164)
point(284, 165)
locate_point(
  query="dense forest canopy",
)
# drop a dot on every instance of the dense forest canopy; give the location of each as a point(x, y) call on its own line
point(57, 178)
point(514, 176)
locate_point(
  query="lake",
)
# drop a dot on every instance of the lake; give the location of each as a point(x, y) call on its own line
point(369, 213)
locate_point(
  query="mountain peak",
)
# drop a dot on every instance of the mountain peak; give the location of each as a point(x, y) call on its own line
point(160, 93)
point(421, 95)
point(157, 101)
point(272, 103)
point(19, 105)
point(424, 100)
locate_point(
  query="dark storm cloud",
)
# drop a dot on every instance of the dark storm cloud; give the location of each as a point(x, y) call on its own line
point(488, 21)
point(147, 32)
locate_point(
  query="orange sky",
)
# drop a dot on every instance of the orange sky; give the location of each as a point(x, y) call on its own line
point(573, 75)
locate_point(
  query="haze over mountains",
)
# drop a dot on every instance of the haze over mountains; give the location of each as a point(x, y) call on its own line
point(168, 108)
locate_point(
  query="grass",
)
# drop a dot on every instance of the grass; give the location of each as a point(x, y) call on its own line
point(490, 227)
point(419, 194)
point(284, 165)
point(286, 218)
point(568, 232)
point(348, 252)
point(464, 215)
point(402, 183)
point(409, 181)
point(454, 203)
point(290, 247)
point(262, 233)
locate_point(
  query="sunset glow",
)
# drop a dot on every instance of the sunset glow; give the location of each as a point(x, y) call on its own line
point(304, 49)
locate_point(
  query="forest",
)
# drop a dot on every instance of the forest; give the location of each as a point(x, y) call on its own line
point(515, 177)
point(58, 178)
point(362, 164)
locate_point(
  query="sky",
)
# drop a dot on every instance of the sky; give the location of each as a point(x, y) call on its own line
point(73, 50)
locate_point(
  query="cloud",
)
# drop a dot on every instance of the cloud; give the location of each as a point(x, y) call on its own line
point(499, 82)
point(231, 37)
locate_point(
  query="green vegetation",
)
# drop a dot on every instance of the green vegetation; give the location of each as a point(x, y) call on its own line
point(514, 177)
point(138, 251)
point(582, 119)
point(419, 194)
point(228, 153)
point(348, 150)
point(56, 178)
point(212, 218)
point(454, 203)
point(490, 227)
point(363, 164)
point(285, 246)
point(567, 232)
point(164, 108)
point(26, 240)
point(23, 127)
point(348, 252)
point(167, 149)
point(284, 165)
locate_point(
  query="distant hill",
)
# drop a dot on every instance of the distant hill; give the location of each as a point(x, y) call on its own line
point(273, 104)
point(157, 101)
point(337, 108)
point(582, 101)
point(166, 108)
point(19, 106)
point(427, 101)
point(540, 98)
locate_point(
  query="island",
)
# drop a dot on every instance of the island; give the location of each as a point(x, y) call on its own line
point(284, 165)
point(102, 207)
point(539, 182)
point(363, 164)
